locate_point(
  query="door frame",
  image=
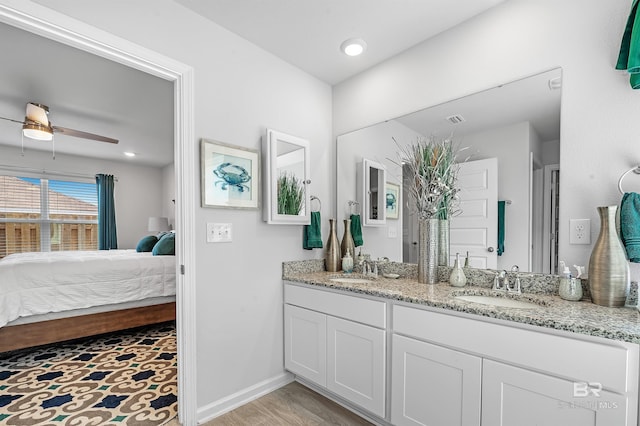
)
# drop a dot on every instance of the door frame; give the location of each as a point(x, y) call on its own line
point(53, 25)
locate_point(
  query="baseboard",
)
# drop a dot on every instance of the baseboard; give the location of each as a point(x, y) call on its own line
point(224, 405)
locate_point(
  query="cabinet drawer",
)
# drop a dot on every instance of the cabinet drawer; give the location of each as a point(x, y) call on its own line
point(610, 363)
point(366, 311)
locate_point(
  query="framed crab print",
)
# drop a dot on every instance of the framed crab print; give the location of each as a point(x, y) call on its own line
point(392, 200)
point(230, 175)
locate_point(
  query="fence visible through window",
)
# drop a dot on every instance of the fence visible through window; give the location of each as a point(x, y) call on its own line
point(47, 215)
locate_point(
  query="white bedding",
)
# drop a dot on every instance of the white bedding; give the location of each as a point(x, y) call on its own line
point(43, 282)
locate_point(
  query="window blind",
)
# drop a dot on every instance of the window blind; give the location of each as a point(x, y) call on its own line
point(47, 215)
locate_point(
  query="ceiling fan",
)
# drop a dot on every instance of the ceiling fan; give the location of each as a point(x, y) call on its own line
point(36, 125)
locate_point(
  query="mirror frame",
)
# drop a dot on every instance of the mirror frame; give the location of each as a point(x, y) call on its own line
point(364, 190)
point(270, 167)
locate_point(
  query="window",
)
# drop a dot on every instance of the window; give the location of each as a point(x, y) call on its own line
point(47, 215)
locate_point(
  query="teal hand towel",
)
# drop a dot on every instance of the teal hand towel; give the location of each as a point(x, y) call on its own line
point(630, 225)
point(312, 234)
point(356, 230)
point(629, 56)
point(501, 205)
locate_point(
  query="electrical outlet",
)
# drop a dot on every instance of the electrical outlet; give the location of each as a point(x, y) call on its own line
point(218, 232)
point(580, 231)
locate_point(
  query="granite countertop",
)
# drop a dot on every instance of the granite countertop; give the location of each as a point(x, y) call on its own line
point(581, 317)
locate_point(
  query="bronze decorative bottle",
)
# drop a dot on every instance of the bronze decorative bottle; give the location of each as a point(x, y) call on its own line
point(609, 277)
point(333, 253)
point(347, 240)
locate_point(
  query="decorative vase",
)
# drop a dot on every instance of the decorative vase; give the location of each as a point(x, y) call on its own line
point(457, 277)
point(347, 246)
point(332, 254)
point(443, 242)
point(609, 276)
point(428, 251)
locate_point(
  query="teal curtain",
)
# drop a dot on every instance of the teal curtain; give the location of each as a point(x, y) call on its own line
point(107, 237)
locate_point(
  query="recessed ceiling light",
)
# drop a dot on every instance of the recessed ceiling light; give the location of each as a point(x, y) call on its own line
point(353, 46)
point(130, 154)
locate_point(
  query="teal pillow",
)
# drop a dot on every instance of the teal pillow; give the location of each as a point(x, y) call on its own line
point(146, 243)
point(165, 246)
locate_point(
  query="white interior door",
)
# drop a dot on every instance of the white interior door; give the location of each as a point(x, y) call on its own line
point(475, 229)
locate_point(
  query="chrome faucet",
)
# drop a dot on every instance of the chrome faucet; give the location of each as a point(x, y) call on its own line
point(501, 282)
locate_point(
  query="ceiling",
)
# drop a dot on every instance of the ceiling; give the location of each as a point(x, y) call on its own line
point(308, 33)
point(535, 99)
point(88, 93)
point(84, 92)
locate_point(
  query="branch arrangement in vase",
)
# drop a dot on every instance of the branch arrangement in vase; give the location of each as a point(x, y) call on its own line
point(433, 175)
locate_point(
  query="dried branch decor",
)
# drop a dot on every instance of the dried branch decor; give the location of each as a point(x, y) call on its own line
point(433, 176)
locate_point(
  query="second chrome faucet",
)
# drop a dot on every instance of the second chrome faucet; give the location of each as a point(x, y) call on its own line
point(501, 283)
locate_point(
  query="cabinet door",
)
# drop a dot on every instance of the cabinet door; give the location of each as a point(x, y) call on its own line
point(356, 363)
point(515, 396)
point(305, 343)
point(434, 386)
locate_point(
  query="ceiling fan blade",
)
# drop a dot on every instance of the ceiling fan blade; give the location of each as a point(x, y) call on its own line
point(12, 120)
point(84, 135)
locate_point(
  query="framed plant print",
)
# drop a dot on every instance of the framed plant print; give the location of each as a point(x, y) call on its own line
point(230, 175)
point(392, 200)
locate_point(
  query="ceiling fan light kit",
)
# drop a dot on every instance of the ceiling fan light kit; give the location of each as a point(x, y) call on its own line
point(37, 131)
point(36, 125)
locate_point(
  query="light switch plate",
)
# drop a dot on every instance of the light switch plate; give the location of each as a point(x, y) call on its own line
point(392, 232)
point(219, 232)
point(580, 231)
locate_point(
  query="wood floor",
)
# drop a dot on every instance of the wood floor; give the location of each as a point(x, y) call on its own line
point(292, 404)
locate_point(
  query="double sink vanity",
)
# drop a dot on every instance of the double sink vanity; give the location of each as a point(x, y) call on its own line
point(404, 353)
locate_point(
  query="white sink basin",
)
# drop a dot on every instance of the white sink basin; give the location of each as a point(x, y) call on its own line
point(351, 280)
point(498, 301)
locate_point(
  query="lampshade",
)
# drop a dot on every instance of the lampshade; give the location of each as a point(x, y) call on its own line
point(158, 224)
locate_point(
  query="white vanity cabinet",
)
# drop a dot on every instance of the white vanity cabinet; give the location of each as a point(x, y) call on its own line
point(433, 385)
point(444, 366)
point(339, 343)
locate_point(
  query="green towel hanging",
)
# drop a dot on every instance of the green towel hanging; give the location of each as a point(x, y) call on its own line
point(501, 205)
point(312, 234)
point(356, 230)
point(630, 225)
point(629, 56)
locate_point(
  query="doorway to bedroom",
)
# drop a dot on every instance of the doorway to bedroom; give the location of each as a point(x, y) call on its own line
point(159, 183)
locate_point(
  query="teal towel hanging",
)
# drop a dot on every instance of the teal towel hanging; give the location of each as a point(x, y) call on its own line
point(312, 234)
point(356, 230)
point(501, 205)
point(630, 225)
point(629, 56)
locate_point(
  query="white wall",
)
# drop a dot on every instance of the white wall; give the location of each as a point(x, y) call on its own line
point(516, 39)
point(240, 90)
point(169, 194)
point(137, 193)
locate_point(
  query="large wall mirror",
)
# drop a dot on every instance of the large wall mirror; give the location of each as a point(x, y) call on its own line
point(518, 124)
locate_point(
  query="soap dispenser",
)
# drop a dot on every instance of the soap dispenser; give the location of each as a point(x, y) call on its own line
point(457, 277)
point(347, 262)
point(570, 288)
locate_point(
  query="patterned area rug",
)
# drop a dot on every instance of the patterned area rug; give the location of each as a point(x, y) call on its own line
point(124, 378)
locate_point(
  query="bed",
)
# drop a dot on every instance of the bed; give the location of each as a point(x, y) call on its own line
point(47, 297)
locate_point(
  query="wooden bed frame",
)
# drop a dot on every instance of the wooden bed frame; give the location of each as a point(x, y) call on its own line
point(53, 331)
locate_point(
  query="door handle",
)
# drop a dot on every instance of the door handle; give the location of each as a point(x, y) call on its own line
point(490, 249)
